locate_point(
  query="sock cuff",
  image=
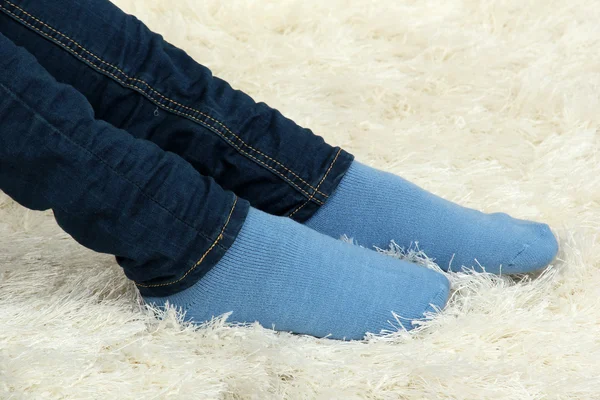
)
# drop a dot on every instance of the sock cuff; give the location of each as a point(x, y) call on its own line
point(354, 185)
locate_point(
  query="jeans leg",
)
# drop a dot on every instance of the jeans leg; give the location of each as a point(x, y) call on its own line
point(137, 81)
point(166, 223)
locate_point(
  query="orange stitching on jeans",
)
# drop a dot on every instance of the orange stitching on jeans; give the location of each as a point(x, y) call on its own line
point(62, 34)
point(318, 186)
point(155, 91)
point(203, 256)
point(311, 196)
point(236, 136)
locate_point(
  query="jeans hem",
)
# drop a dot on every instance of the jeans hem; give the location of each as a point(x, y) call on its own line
point(338, 166)
point(202, 255)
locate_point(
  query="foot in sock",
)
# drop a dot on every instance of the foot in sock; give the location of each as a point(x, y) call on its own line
point(289, 277)
point(374, 207)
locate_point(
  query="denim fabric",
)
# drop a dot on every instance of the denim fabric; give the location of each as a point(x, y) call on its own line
point(138, 82)
point(112, 192)
point(146, 89)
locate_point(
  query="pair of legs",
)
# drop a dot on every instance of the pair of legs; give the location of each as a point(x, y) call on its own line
point(211, 201)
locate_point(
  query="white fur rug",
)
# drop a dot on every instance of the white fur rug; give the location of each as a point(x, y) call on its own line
point(493, 104)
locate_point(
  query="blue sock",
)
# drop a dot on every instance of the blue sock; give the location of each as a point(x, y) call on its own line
point(374, 207)
point(286, 276)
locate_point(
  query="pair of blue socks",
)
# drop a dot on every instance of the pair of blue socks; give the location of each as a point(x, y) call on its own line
point(300, 278)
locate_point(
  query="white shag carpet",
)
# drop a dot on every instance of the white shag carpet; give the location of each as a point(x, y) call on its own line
point(493, 104)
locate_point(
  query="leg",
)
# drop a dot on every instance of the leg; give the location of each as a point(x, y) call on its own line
point(252, 149)
point(112, 192)
point(138, 82)
point(184, 238)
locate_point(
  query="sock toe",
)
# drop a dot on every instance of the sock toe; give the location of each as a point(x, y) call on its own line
point(439, 293)
point(537, 254)
point(430, 296)
point(440, 299)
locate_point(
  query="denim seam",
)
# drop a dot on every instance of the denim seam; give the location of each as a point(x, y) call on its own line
point(17, 98)
point(128, 78)
point(319, 185)
point(201, 258)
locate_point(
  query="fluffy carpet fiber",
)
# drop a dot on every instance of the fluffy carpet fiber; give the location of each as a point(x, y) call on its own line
point(492, 104)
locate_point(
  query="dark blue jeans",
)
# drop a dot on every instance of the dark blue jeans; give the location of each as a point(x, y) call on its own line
point(139, 151)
